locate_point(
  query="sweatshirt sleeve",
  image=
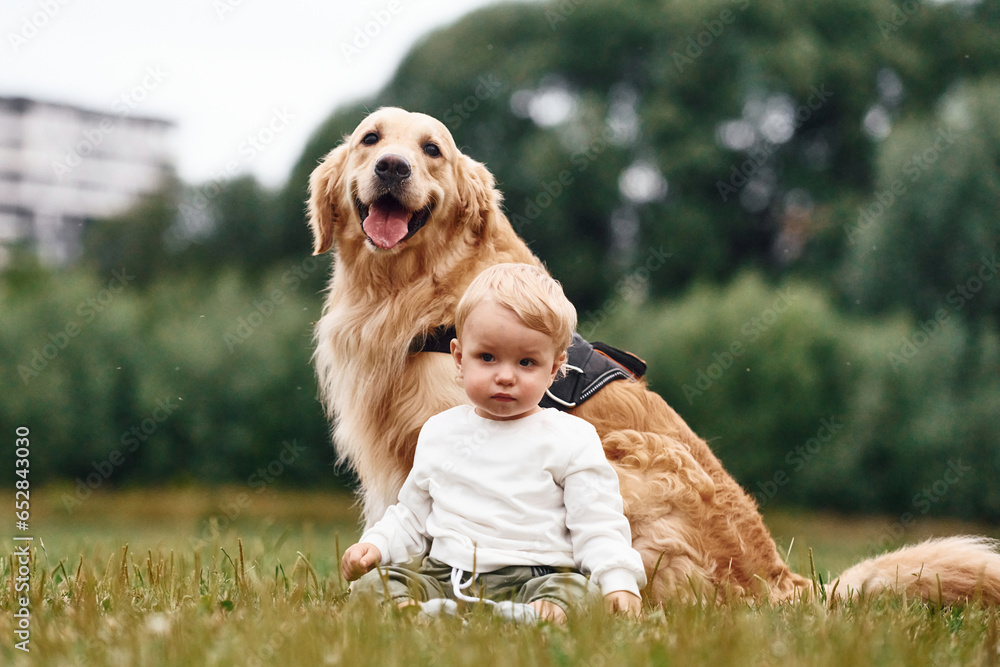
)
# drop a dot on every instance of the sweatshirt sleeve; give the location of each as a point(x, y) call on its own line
point(401, 533)
point(600, 533)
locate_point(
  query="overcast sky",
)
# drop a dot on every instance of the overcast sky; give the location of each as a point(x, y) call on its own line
point(222, 70)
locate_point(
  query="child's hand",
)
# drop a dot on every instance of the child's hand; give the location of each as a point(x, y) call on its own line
point(623, 602)
point(359, 559)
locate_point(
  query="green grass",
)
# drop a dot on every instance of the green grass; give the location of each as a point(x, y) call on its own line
point(166, 578)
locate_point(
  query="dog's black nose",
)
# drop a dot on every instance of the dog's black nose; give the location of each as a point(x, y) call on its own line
point(392, 168)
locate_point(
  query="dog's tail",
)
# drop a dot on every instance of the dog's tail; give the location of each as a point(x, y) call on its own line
point(943, 571)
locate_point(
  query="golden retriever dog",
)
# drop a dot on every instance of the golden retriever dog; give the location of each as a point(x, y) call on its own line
point(411, 221)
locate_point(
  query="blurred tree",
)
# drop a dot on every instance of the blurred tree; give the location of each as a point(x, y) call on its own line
point(192, 378)
point(929, 237)
point(727, 133)
point(232, 223)
point(136, 239)
point(199, 229)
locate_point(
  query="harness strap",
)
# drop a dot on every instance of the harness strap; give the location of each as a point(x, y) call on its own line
point(589, 368)
point(437, 340)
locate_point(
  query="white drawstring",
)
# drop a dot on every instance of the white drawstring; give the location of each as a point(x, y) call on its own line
point(514, 611)
point(457, 586)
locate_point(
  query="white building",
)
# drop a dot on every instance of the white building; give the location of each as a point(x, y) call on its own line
point(62, 166)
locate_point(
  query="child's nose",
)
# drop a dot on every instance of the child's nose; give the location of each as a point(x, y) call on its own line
point(505, 374)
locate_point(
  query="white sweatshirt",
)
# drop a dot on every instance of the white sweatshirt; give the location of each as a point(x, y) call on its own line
point(531, 491)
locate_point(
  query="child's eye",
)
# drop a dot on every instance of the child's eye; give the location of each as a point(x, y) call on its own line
point(527, 362)
point(486, 356)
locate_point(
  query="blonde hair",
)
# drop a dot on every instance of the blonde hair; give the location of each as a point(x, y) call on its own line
point(532, 294)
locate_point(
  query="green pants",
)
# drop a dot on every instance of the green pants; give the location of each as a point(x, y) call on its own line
point(562, 586)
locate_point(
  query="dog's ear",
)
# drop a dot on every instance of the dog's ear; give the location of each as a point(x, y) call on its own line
point(325, 189)
point(477, 193)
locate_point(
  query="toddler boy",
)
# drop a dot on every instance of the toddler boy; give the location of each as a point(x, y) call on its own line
point(518, 503)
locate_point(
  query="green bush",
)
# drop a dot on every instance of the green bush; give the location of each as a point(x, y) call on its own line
point(203, 380)
point(210, 380)
point(806, 406)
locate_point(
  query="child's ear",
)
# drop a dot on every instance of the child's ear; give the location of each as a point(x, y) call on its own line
point(456, 354)
point(557, 366)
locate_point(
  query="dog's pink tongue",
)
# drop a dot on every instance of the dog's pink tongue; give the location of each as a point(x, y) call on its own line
point(387, 223)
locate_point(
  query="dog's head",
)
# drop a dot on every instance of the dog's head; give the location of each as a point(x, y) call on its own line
point(396, 183)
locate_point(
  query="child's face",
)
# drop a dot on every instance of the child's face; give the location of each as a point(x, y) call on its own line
point(506, 366)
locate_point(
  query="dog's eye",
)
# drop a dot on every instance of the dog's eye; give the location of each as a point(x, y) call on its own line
point(370, 139)
point(432, 150)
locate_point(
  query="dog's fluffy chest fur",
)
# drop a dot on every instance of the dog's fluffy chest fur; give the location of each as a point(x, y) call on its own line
point(376, 390)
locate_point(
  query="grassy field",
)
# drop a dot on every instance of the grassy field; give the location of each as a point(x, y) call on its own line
point(229, 577)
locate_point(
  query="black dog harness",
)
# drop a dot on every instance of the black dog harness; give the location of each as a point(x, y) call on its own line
point(590, 366)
